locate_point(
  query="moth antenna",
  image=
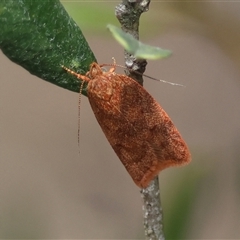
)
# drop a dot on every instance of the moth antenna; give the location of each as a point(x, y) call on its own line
point(83, 79)
point(161, 80)
point(155, 79)
point(79, 107)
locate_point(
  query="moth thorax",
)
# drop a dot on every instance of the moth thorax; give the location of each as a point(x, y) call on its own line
point(101, 88)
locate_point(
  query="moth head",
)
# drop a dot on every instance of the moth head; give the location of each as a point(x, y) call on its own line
point(95, 70)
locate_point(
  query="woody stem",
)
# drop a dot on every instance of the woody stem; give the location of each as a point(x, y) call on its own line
point(128, 13)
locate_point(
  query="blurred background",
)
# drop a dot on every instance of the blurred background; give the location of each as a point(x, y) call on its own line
point(48, 190)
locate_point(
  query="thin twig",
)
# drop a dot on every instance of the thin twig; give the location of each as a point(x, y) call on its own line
point(128, 13)
point(152, 211)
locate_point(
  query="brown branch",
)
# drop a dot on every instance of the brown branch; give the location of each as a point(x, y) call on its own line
point(128, 13)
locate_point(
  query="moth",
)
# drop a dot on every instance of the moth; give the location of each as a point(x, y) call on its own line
point(136, 126)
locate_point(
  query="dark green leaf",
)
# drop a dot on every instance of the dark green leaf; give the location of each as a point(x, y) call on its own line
point(40, 36)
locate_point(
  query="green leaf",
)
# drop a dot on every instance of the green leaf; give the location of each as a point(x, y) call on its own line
point(138, 49)
point(40, 36)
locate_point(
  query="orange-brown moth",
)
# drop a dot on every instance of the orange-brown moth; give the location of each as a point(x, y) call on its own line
point(138, 129)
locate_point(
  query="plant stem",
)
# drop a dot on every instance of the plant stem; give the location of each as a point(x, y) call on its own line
point(128, 13)
point(152, 211)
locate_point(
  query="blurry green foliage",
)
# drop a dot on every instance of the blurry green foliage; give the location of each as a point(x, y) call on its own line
point(92, 16)
point(137, 48)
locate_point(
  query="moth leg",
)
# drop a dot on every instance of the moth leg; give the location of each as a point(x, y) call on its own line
point(113, 68)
